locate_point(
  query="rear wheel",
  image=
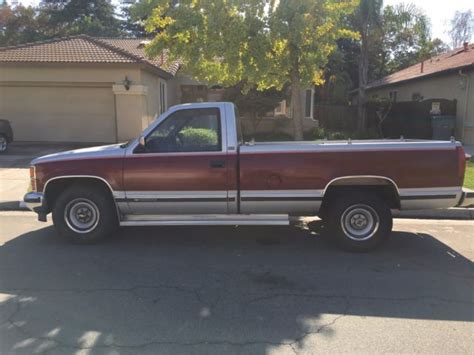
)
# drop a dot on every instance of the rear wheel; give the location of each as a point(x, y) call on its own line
point(84, 214)
point(359, 222)
point(3, 143)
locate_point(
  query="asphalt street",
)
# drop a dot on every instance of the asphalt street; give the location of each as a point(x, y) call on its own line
point(226, 290)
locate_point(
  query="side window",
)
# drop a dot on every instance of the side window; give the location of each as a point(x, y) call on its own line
point(193, 130)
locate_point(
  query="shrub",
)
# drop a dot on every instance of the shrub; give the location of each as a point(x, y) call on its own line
point(319, 133)
point(315, 133)
point(336, 136)
point(199, 136)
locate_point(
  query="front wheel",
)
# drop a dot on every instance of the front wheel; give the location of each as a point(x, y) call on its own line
point(359, 222)
point(84, 214)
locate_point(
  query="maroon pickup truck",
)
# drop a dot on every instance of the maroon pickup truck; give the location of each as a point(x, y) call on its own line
point(191, 167)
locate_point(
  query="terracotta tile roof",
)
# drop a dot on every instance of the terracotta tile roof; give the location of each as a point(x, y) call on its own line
point(136, 46)
point(453, 60)
point(85, 49)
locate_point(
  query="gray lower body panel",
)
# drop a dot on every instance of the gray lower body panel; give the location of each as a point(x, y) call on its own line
point(203, 219)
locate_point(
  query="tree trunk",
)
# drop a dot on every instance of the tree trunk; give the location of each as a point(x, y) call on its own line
point(296, 104)
point(363, 78)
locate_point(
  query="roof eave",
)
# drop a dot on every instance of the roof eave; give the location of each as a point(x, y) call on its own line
point(155, 70)
point(422, 77)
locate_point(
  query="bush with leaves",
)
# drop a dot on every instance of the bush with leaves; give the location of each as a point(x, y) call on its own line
point(199, 136)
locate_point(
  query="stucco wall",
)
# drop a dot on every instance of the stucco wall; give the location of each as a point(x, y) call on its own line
point(152, 82)
point(61, 95)
point(451, 87)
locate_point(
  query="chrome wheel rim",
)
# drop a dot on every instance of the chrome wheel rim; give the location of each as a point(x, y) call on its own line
point(81, 215)
point(3, 144)
point(360, 222)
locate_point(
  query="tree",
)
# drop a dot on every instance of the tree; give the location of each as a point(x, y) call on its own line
point(72, 17)
point(254, 103)
point(367, 20)
point(57, 18)
point(461, 28)
point(137, 15)
point(340, 74)
point(19, 25)
point(407, 37)
point(265, 44)
point(132, 24)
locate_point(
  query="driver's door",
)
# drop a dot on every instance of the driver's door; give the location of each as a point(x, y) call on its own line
point(183, 167)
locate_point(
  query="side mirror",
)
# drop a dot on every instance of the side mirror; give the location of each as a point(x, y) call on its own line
point(140, 148)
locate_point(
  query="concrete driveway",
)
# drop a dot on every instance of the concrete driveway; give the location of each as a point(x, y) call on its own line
point(223, 290)
point(14, 165)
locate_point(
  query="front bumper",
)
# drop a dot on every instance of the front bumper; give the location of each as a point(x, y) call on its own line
point(36, 202)
point(467, 198)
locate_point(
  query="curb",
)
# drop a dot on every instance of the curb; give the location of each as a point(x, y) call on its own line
point(449, 213)
point(13, 206)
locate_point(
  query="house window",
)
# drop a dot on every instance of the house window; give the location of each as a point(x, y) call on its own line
point(162, 97)
point(309, 103)
point(281, 108)
point(393, 96)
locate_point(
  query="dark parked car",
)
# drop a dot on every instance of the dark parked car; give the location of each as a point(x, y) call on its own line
point(6, 135)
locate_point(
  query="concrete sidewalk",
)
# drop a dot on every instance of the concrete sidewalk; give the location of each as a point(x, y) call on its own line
point(13, 185)
point(14, 169)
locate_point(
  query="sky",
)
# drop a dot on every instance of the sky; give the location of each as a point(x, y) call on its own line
point(440, 12)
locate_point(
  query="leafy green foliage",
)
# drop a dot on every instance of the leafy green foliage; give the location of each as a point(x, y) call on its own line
point(265, 44)
point(19, 25)
point(57, 18)
point(406, 37)
point(252, 103)
point(254, 41)
point(199, 136)
point(391, 39)
point(70, 17)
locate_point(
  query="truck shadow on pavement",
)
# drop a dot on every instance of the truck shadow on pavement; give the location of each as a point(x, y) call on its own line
point(216, 290)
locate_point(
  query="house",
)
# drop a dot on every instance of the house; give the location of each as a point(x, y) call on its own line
point(85, 89)
point(448, 76)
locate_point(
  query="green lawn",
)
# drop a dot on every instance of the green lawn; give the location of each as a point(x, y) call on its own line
point(469, 176)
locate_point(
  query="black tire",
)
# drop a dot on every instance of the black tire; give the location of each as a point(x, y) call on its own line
point(359, 222)
point(3, 143)
point(84, 214)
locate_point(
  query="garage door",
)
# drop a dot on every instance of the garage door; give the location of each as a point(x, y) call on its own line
point(61, 114)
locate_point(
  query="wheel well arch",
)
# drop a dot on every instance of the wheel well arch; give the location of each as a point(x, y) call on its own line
point(54, 186)
point(381, 185)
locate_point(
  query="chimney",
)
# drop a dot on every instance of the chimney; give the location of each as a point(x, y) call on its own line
point(466, 46)
point(422, 66)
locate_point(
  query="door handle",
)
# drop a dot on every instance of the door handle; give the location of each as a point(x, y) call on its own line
point(217, 163)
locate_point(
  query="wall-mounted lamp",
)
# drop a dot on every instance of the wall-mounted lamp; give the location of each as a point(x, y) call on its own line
point(126, 83)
